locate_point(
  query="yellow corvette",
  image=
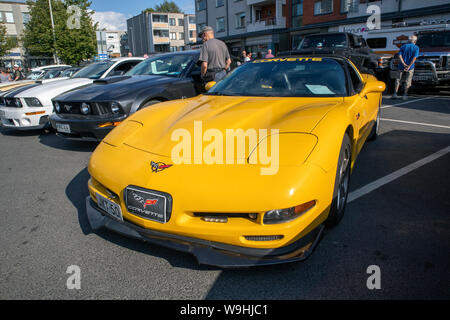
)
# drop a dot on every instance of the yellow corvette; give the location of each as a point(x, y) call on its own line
point(248, 173)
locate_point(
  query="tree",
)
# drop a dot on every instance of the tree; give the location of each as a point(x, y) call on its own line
point(166, 6)
point(74, 39)
point(6, 43)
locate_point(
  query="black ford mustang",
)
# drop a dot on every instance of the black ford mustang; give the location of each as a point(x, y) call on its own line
point(91, 112)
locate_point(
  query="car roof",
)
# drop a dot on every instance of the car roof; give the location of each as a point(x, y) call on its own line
point(50, 67)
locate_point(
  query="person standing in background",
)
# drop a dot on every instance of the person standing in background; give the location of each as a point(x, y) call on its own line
point(214, 57)
point(269, 54)
point(4, 76)
point(408, 54)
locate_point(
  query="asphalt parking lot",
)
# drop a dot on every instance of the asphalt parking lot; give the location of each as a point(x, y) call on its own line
point(397, 218)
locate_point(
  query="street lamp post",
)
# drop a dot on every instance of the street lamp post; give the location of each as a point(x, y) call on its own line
point(55, 56)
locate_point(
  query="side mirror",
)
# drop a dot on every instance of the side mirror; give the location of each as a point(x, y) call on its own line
point(371, 87)
point(209, 85)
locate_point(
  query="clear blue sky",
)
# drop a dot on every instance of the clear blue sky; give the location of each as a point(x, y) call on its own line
point(133, 7)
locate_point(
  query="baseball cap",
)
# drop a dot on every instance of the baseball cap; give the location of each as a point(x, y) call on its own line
point(205, 29)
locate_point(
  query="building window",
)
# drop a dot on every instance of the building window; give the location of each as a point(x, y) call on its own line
point(240, 20)
point(6, 17)
point(181, 22)
point(181, 35)
point(220, 24)
point(25, 17)
point(219, 3)
point(191, 20)
point(159, 18)
point(323, 7)
point(161, 33)
point(172, 22)
point(191, 34)
point(173, 36)
point(349, 6)
point(173, 49)
point(297, 13)
point(201, 5)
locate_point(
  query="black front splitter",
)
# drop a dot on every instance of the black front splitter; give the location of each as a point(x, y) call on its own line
point(208, 252)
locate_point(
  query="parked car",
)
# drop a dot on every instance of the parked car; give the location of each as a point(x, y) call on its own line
point(432, 67)
point(32, 107)
point(39, 72)
point(91, 112)
point(348, 45)
point(151, 179)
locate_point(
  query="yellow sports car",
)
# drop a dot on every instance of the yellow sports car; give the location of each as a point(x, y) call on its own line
point(247, 173)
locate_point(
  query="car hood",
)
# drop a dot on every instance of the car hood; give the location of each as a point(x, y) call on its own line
point(52, 89)
point(152, 129)
point(115, 88)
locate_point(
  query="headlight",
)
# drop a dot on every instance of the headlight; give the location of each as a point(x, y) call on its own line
point(285, 215)
point(85, 108)
point(18, 103)
point(33, 102)
point(57, 107)
point(115, 108)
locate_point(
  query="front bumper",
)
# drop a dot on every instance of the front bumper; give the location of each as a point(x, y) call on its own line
point(208, 252)
point(84, 128)
point(24, 118)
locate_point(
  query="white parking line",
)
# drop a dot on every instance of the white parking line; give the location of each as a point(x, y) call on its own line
point(418, 123)
point(402, 103)
point(397, 174)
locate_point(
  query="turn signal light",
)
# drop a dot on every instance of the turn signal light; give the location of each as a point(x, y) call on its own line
point(34, 113)
point(109, 124)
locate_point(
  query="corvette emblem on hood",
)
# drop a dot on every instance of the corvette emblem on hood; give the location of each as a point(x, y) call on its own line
point(159, 166)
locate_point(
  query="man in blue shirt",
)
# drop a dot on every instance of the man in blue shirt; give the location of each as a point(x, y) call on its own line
point(408, 54)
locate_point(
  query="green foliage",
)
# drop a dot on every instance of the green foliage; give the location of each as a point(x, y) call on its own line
point(6, 43)
point(166, 6)
point(73, 43)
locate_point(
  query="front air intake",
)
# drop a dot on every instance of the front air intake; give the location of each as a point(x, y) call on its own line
point(264, 238)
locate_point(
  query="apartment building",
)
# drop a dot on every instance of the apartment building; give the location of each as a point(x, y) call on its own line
point(152, 32)
point(259, 25)
point(14, 15)
point(254, 25)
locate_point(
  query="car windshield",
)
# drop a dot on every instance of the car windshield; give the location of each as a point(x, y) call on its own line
point(51, 74)
point(323, 41)
point(68, 72)
point(94, 70)
point(285, 77)
point(433, 40)
point(34, 75)
point(167, 65)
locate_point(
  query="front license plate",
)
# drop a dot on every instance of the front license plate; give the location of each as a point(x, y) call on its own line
point(110, 207)
point(146, 204)
point(62, 127)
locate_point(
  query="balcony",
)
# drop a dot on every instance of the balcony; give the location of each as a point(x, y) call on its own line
point(260, 2)
point(267, 24)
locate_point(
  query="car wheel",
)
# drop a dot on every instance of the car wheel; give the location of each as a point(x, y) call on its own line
point(342, 183)
point(374, 133)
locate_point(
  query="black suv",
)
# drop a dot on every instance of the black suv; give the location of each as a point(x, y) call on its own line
point(349, 45)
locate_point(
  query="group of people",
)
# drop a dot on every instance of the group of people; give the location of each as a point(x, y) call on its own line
point(215, 59)
point(8, 75)
point(247, 56)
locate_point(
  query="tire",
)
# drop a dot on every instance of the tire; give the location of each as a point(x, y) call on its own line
point(341, 185)
point(374, 133)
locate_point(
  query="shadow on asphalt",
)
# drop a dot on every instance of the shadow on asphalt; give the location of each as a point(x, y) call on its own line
point(19, 133)
point(77, 191)
point(52, 140)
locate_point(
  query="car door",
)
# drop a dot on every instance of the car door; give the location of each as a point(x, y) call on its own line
point(190, 85)
point(362, 110)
